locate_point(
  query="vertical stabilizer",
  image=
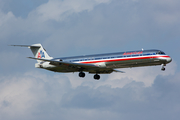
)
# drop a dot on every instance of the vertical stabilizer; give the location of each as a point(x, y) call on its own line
point(37, 50)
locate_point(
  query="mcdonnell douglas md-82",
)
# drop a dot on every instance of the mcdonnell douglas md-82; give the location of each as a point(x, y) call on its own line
point(98, 63)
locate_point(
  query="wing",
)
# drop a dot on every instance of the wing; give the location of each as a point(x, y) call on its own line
point(53, 62)
point(91, 68)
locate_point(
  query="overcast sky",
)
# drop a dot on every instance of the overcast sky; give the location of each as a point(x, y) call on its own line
point(80, 27)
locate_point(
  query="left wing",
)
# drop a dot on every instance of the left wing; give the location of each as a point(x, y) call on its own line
point(53, 62)
point(91, 68)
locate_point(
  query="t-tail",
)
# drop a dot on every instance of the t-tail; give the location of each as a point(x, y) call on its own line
point(37, 50)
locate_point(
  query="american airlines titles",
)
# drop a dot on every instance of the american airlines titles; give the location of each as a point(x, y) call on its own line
point(132, 53)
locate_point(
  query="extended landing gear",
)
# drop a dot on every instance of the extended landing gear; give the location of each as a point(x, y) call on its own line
point(96, 77)
point(82, 74)
point(163, 68)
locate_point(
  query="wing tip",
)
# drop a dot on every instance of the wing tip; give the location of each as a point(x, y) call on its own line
point(118, 71)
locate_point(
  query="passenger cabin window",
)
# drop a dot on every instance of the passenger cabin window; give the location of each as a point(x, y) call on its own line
point(134, 55)
point(128, 55)
point(97, 58)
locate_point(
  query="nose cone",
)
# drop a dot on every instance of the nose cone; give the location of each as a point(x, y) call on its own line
point(169, 60)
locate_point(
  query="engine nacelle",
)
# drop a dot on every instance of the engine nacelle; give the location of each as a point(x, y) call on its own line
point(38, 65)
point(44, 65)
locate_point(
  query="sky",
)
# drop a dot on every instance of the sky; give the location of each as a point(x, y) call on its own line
point(82, 27)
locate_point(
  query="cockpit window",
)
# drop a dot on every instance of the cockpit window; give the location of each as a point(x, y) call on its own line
point(160, 52)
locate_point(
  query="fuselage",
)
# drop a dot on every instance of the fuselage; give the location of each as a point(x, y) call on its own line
point(122, 59)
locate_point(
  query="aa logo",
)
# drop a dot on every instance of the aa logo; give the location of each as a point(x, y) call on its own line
point(41, 54)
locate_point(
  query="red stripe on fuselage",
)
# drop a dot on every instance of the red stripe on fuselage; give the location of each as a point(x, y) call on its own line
point(126, 59)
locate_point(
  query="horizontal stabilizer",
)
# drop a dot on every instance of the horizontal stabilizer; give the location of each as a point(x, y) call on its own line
point(26, 46)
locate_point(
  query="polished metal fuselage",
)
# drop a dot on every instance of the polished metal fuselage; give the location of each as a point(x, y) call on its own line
point(113, 60)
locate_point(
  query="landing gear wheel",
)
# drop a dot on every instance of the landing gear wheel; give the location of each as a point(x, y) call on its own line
point(82, 74)
point(96, 77)
point(163, 69)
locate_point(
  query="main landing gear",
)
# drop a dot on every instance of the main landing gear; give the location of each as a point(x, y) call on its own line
point(82, 74)
point(96, 76)
point(163, 68)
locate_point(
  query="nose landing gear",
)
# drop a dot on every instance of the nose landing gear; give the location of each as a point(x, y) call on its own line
point(163, 68)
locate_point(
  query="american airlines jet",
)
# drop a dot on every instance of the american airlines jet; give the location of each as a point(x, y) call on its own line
point(98, 63)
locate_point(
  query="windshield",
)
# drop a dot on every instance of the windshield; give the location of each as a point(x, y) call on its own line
point(160, 52)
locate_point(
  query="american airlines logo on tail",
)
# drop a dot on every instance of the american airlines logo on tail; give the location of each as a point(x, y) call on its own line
point(41, 54)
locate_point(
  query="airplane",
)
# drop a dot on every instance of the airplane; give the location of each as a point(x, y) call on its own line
point(98, 63)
